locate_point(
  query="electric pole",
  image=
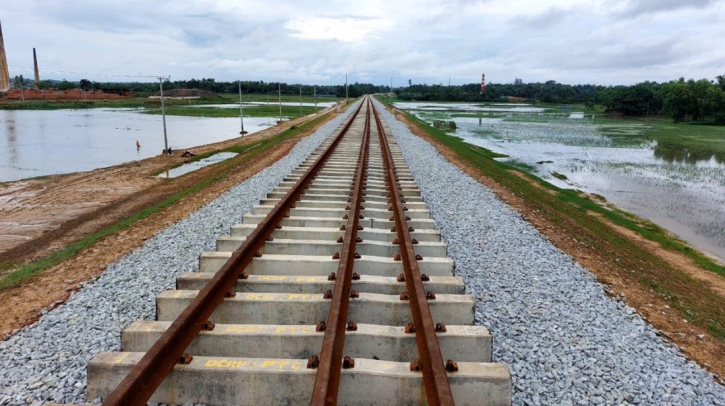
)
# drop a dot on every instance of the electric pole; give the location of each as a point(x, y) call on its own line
point(315, 91)
point(300, 100)
point(390, 95)
point(346, 88)
point(279, 97)
point(163, 110)
point(241, 109)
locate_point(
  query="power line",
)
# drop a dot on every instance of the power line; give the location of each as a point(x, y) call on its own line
point(86, 73)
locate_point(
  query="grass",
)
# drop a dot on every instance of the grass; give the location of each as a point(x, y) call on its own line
point(256, 111)
point(559, 176)
point(131, 102)
point(571, 211)
point(246, 152)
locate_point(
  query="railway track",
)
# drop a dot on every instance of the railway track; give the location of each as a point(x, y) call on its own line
point(335, 289)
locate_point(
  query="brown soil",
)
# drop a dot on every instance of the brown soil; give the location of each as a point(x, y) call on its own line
point(68, 207)
point(619, 281)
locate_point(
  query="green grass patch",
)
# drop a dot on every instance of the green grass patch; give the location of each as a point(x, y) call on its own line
point(559, 175)
point(255, 111)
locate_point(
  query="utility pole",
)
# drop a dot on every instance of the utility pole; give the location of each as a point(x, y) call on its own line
point(241, 110)
point(390, 95)
point(315, 91)
point(22, 95)
point(189, 98)
point(346, 88)
point(300, 100)
point(163, 110)
point(279, 97)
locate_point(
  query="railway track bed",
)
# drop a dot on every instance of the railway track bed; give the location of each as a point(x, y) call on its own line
point(336, 288)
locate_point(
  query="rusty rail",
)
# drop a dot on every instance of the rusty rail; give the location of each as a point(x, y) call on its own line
point(143, 379)
point(330, 363)
point(435, 379)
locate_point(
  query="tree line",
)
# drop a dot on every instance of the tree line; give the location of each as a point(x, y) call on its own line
point(697, 100)
point(211, 85)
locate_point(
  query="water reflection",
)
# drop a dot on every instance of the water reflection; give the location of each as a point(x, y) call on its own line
point(671, 153)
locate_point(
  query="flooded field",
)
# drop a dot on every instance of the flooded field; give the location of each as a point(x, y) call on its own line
point(46, 142)
point(679, 188)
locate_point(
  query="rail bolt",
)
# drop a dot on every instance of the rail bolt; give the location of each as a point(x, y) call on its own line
point(396, 242)
point(407, 218)
point(257, 254)
point(354, 294)
point(440, 328)
point(404, 296)
point(360, 228)
point(347, 207)
point(343, 227)
point(340, 240)
point(410, 328)
point(357, 256)
point(358, 239)
point(185, 359)
point(348, 362)
point(327, 294)
point(270, 238)
point(355, 276)
point(394, 229)
point(415, 365)
point(418, 257)
point(336, 255)
point(351, 326)
point(362, 217)
point(207, 326)
point(451, 366)
point(411, 229)
point(401, 277)
point(424, 278)
point(243, 275)
point(345, 217)
point(430, 295)
point(313, 362)
point(278, 226)
point(398, 257)
point(321, 326)
point(332, 276)
point(230, 293)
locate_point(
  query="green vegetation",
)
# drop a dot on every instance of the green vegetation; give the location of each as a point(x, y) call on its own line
point(256, 111)
point(246, 152)
point(572, 212)
point(559, 176)
point(698, 100)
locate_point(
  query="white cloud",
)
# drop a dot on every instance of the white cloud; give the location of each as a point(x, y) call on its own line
point(570, 41)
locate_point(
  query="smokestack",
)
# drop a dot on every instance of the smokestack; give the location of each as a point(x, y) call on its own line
point(4, 72)
point(37, 72)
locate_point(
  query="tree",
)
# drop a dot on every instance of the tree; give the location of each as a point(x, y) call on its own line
point(85, 84)
point(721, 81)
point(19, 81)
point(65, 85)
point(410, 82)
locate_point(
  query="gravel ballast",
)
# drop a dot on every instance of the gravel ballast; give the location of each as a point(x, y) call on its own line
point(564, 340)
point(47, 360)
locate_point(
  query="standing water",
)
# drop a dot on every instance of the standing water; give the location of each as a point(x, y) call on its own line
point(46, 142)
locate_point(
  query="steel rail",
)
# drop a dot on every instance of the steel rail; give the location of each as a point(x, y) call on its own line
point(435, 378)
point(327, 378)
point(145, 377)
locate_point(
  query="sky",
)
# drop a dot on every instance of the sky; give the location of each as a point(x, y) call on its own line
point(426, 41)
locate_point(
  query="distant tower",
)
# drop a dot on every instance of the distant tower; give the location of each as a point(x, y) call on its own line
point(37, 72)
point(4, 72)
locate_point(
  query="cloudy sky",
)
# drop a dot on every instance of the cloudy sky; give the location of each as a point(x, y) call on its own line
point(570, 41)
